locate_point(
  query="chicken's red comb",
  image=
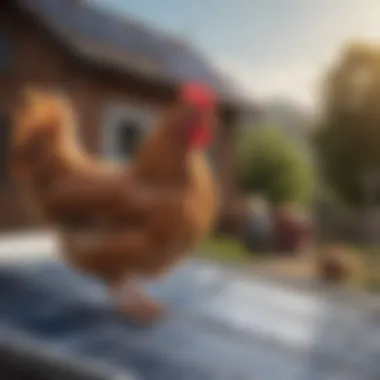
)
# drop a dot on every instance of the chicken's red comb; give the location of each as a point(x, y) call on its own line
point(198, 95)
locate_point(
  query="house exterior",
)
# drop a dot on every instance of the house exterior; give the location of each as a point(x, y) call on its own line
point(118, 73)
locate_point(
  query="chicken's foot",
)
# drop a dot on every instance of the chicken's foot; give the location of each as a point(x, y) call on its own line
point(135, 304)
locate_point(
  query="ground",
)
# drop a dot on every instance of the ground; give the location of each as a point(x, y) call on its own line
point(302, 267)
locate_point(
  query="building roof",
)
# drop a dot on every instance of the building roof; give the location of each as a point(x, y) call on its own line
point(129, 46)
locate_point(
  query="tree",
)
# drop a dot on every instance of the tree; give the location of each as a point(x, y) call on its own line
point(348, 141)
point(272, 164)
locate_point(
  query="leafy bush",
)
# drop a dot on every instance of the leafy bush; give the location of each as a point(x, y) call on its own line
point(270, 163)
point(349, 135)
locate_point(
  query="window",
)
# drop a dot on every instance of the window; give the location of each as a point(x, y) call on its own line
point(124, 128)
point(5, 134)
point(130, 133)
point(5, 51)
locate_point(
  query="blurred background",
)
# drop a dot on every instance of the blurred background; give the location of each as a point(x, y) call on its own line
point(297, 151)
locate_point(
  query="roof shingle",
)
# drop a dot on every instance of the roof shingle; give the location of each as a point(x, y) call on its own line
point(131, 46)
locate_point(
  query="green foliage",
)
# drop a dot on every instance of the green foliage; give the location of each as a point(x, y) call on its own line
point(270, 163)
point(225, 249)
point(349, 139)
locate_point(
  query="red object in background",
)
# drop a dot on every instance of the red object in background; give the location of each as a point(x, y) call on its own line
point(291, 231)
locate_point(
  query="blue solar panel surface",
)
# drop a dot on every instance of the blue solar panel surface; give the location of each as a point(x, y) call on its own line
point(220, 325)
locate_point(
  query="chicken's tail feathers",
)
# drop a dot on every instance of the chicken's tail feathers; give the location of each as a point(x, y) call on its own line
point(41, 111)
point(41, 117)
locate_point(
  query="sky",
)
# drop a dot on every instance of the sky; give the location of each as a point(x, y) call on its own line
point(272, 48)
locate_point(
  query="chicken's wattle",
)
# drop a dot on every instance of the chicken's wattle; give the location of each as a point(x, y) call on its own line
point(200, 137)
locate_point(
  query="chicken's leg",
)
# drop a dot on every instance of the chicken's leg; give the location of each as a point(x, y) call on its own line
point(136, 304)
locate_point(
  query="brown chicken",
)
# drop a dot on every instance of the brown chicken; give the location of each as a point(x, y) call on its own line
point(127, 221)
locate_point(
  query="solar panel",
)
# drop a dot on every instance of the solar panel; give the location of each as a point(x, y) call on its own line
point(221, 324)
point(181, 61)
